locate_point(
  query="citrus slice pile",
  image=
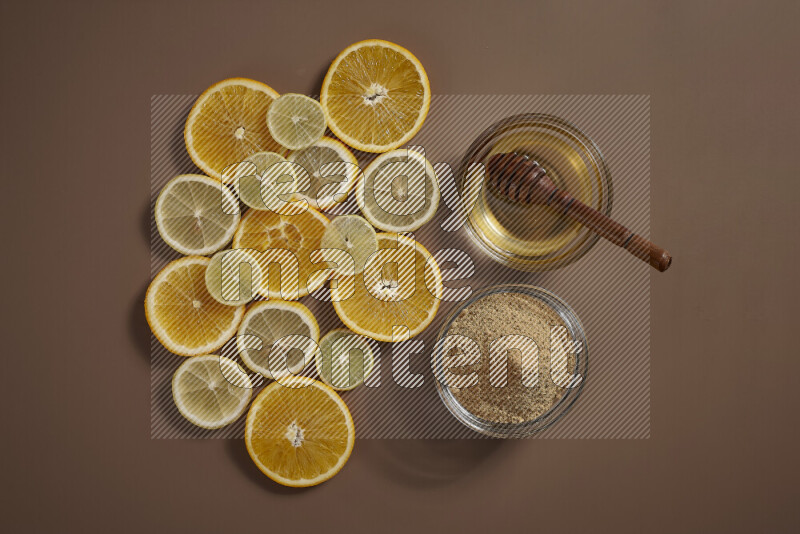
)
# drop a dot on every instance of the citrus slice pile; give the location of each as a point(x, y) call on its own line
point(183, 315)
point(196, 215)
point(297, 235)
point(267, 322)
point(228, 123)
point(329, 184)
point(299, 436)
point(344, 359)
point(371, 310)
point(211, 391)
point(375, 96)
point(399, 192)
point(270, 152)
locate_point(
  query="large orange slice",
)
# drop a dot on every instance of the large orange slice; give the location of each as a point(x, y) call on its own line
point(382, 307)
point(299, 436)
point(228, 123)
point(183, 315)
point(375, 96)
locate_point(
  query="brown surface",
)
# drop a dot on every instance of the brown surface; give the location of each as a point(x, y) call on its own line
point(77, 81)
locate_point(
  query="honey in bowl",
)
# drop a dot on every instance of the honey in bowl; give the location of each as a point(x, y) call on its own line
point(536, 237)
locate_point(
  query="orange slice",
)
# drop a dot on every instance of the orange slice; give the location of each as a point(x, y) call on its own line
point(301, 435)
point(375, 96)
point(183, 315)
point(228, 123)
point(372, 309)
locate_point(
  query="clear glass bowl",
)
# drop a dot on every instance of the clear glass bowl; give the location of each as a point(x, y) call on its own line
point(525, 428)
point(537, 238)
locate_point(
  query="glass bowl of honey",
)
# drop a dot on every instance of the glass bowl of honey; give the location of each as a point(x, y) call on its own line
point(535, 237)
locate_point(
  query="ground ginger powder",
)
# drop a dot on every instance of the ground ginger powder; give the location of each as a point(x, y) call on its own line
point(488, 319)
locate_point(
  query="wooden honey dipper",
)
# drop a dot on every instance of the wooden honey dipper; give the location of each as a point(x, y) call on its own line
point(523, 180)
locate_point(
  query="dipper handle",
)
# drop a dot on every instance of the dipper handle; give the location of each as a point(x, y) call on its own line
point(611, 230)
point(523, 180)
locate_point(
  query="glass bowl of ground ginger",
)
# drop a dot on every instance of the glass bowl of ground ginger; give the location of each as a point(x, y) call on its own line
point(511, 360)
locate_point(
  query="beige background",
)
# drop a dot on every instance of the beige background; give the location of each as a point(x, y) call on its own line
point(723, 79)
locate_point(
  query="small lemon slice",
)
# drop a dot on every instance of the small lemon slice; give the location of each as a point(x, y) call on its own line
point(296, 121)
point(299, 436)
point(333, 171)
point(354, 235)
point(211, 391)
point(196, 215)
point(345, 359)
point(249, 187)
point(240, 279)
point(270, 321)
point(183, 315)
point(227, 124)
point(264, 160)
point(375, 96)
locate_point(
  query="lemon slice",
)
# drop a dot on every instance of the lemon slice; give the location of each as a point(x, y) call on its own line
point(345, 359)
point(333, 171)
point(211, 391)
point(183, 315)
point(296, 121)
point(355, 236)
point(238, 282)
point(267, 322)
point(227, 124)
point(196, 215)
point(399, 192)
point(287, 238)
point(375, 96)
point(249, 186)
point(372, 310)
point(299, 436)
point(264, 160)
